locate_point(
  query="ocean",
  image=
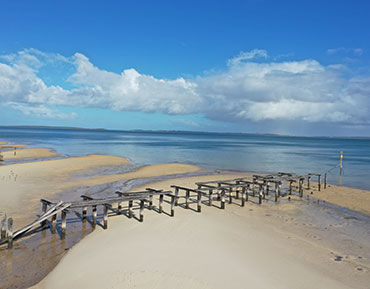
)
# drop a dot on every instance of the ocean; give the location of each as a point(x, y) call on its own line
point(240, 152)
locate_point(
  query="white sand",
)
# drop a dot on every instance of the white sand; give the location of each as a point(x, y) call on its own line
point(232, 248)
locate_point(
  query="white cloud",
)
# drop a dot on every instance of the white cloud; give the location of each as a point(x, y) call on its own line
point(246, 91)
point(246, 56)
point(41, 111)
point(343, 50)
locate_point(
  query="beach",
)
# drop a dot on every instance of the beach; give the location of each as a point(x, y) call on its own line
point(235, 248)
point(296, 243)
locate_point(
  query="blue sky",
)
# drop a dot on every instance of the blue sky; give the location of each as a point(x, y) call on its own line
point(291, 67)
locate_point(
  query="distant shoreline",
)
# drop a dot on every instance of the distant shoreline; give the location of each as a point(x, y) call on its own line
point(179, 132)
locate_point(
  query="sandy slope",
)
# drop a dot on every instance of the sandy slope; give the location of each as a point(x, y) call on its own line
point(235, 248)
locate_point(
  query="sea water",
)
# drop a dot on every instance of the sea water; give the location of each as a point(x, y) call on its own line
point(241, 152)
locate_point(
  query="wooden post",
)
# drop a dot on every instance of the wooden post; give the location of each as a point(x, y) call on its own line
point(176, 196)
point(243, 196)
point(3, 228)
point(276, 193)
point(308, 182)
point(54, 224)
point(160, 203)
point(105, 217)
point(84, 213)
point(119, 209)
point(319, 182)
point(141, 210)
point(130, 209)
point(260, 198)
point(230, 196)
point(10, 233)
point(199, 200)
point(44, 208)
point(151, 203)
point(222, 199)
point(187, 199)
point(94, 216)
point(210, 197)
point(172, 206)
point(267, 188)
point(290, 187)
point(325, 180)
point(84, 209)
point(64, 223)
point(246, 192)
point(237, 190)
point(301, 188)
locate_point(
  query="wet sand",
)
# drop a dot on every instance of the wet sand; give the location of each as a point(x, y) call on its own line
point(292, 244)
point(350, 198)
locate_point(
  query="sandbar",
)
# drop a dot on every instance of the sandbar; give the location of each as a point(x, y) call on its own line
point(28, 153)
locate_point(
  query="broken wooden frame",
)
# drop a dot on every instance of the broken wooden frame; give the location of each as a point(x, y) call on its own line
point(310, 175)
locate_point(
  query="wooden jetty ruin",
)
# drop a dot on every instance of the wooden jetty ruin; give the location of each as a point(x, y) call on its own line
point(238, 190)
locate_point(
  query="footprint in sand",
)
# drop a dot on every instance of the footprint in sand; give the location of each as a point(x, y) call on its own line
point(338, 258)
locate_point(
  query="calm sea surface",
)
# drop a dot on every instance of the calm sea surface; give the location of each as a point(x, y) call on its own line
point(258, 153)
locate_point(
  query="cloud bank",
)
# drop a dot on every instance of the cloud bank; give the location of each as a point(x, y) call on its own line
point(251, 88)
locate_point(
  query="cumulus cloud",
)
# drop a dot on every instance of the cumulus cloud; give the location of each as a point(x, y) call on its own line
point(247, 90)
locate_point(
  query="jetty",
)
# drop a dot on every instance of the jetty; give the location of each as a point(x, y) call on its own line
point(233, 191)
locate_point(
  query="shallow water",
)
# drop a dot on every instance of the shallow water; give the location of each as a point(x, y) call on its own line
point(261, 153)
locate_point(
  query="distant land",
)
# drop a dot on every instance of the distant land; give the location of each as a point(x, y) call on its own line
point(172, 131)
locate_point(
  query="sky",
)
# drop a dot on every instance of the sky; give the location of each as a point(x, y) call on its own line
point(252, 66)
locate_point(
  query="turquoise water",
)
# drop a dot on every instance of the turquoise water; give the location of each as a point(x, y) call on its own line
point(260, 153)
